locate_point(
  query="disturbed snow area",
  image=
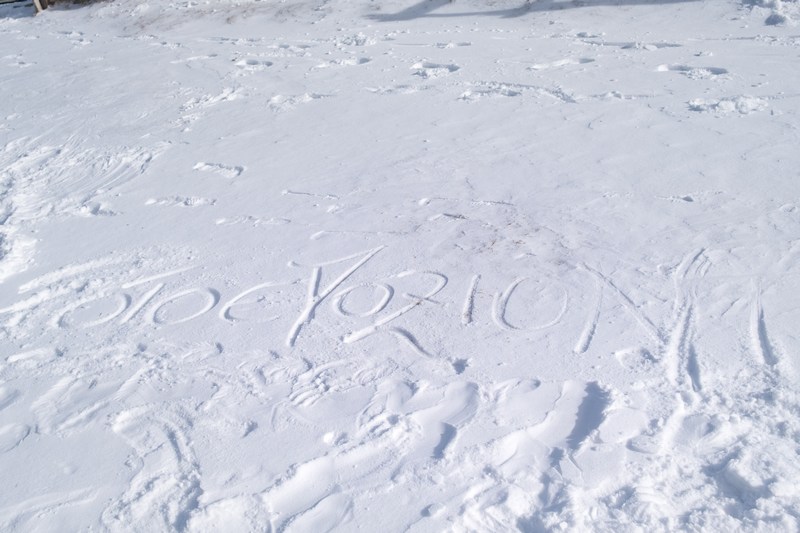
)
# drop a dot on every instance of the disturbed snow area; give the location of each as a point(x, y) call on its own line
point(407, 265)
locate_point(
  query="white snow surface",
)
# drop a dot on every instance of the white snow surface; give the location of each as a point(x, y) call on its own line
point(402, 265)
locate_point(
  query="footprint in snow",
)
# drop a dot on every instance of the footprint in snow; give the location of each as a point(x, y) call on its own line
point(349, 62)
point(280, 102)
point(427, 70)
point(561, 63)
point(7, 396)
point(695, 73)
point(225, 171)
point(181, 201)
point(452, 45)
point(252, 64)
point(11, 435)
point(743, 105)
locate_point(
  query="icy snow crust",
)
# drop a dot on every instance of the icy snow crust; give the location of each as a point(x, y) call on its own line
point(399, 266)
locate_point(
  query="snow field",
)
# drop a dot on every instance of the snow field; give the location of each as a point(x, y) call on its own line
point(470, 266)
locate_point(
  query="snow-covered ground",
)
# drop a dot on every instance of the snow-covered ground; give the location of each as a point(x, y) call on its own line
point(408, 265)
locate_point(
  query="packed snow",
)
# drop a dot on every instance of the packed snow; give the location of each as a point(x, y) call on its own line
point(402, 265)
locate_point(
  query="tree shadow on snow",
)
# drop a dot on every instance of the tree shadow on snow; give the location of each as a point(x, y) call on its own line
point(24, 8)
point(17, 10)
point(426, 8)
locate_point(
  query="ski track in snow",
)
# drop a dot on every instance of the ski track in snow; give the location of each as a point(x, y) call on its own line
point(449, 266)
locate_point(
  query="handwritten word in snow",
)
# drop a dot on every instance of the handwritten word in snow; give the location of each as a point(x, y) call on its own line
point(363, 303)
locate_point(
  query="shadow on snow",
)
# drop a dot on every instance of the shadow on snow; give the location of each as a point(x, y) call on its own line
point(426, 8)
